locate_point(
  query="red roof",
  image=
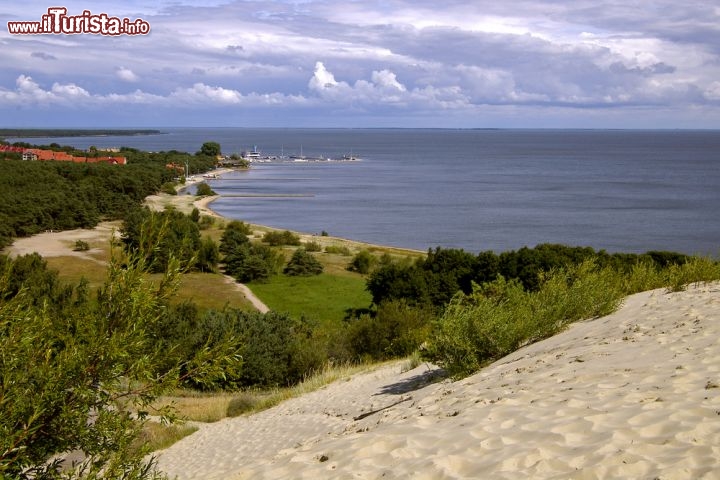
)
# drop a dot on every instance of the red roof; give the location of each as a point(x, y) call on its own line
point(49, 155)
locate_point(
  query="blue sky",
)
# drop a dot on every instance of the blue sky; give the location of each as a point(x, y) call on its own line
point(394, 63)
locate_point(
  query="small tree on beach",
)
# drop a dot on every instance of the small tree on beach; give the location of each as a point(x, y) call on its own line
point(204, 190)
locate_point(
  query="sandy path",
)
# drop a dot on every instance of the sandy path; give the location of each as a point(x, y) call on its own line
point(632, 395)
point(245, 290)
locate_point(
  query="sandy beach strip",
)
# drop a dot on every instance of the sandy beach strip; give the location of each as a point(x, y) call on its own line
point(635, 394)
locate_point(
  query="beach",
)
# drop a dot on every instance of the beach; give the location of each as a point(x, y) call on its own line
point(635, 394)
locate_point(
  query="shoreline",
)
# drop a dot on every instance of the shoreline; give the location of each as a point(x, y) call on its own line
point(203, 204)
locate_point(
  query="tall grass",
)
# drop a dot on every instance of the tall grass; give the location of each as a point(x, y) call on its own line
point(190, 405)
point(500, 317)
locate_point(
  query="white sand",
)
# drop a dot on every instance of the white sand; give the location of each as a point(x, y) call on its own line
point(631, 395)
point(61, 244)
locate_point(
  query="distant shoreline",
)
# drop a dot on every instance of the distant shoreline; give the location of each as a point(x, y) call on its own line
point(60, 133)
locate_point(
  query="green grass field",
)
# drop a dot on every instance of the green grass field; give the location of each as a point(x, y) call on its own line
point(324, 297)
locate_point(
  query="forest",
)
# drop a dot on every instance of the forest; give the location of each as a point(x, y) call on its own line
point(40, 196)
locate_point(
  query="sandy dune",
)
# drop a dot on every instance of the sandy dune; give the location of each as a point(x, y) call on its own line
point(632, 395)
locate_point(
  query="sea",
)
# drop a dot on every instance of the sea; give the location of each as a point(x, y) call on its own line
point(617, 190)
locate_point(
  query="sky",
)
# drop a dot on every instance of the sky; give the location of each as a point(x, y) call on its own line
point(369, 63)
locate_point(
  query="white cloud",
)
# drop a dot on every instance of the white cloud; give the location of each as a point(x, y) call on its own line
point(201, 93)
point(126, 75)
point(385, 79)
point(322, 79)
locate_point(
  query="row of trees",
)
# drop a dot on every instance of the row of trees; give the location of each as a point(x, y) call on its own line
point(434, 280)
point(408, 296)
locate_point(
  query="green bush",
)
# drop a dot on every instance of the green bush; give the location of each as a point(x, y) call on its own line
point(64, 363)
point(206, 221)
point(169, 188)
point(303, 263)
point(362, 262)
point(395, 330)
point(173, 234)
point(208, 256)
point(204, 190)
point(312, 247)
point(276, 349)
point(338, 250)
point(501, 316)
point(277, 239)
point(81, 246)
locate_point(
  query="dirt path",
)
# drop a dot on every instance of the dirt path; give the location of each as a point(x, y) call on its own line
point(245, 290)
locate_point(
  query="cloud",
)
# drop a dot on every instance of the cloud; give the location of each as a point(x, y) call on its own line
point(126, 75)
point(322, 80)
point(384, 58)
point(43, 56)
point(201, 93)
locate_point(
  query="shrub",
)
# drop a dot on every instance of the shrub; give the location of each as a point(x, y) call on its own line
point(303, 263)
point(204, 190)
point(169, 188)
point(195, 215)
point(313, 247)
point(89, 358)
point(208, 256)
point(277, 239)
point(501, 316)
point(173, 234)
point(397, 329)
point(338, 250)
point(206, 221)
point(362, 262)
point(276, 349)
point(241, 403)
point(81, 246)
point(235, 235)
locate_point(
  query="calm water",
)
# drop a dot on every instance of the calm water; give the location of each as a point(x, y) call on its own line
point(475, 189)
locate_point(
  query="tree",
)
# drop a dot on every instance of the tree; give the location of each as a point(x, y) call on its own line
point(174, 234)
point(83, 377)
point(204, 190)
point(252, 262)
point(303, 263)
point(210, 149)
point(235, 235)
point(208, 256)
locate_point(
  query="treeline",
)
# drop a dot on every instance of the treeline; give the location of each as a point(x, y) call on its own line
point(434, 280)
point(409, 296)
point(40, 196)
point(62, 132)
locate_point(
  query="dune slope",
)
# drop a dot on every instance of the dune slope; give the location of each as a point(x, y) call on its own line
point(631, 395)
